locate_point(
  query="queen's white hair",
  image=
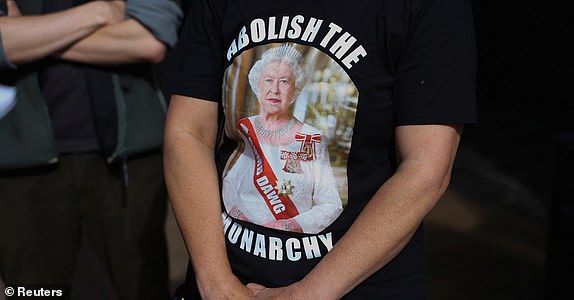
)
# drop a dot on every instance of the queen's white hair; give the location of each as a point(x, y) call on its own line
point(286, 54)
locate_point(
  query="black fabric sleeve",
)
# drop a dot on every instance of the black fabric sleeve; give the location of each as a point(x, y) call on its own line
point(436, 74)
point(197, 66)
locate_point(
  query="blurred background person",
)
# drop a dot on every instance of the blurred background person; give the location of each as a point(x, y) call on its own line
point(23, 39)
point(80, 158)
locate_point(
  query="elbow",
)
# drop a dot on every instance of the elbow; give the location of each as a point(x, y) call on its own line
point(153, 51)
point(432, 183)
point(440, 184)
point(157, 53)
point(19, 56)
point(443, 185)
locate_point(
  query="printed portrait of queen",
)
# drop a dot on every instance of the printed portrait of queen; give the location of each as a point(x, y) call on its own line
point(281, 175)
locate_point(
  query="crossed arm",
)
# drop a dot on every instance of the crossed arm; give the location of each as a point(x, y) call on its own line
point(96, 33)
point(28, 38)
point(121, 43)
point(425, 152)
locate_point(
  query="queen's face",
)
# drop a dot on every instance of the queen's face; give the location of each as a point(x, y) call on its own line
point(276, 88)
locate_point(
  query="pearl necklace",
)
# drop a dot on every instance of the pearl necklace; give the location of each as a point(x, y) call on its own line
point(273, 134)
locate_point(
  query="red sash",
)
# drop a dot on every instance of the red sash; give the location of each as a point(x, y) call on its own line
point(264, 179)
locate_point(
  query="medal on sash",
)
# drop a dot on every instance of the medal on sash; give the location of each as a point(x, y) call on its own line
point(292, 161)
point(306, 152)
point(284, 187)
point(308, 142)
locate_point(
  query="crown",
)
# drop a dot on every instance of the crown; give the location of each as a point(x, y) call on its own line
point(286, 51)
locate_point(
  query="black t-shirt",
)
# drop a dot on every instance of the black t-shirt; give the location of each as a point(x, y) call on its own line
point(312, 92)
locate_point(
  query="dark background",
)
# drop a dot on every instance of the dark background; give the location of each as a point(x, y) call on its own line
point(504, 229)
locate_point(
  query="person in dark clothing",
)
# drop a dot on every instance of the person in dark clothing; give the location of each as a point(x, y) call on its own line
point(80, 158)
point(392, 86)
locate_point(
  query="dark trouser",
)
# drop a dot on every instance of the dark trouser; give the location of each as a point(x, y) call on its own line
point(46, 212)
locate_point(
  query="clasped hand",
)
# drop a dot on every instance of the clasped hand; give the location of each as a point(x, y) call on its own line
point(260, 292)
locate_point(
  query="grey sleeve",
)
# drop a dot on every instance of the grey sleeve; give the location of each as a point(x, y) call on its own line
point(161, 17)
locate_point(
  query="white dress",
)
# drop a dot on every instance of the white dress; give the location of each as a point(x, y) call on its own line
point(314, 189)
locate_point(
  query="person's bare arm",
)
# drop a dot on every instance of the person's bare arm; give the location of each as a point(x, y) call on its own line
point(191, 177)
point(122, 43)
point(27, 38)
point(386, 224)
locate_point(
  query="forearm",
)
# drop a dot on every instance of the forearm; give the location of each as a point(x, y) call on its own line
point(28, 38)
point(122, 43)
point(194, 198)
point(388, 221)
point(392, 216)
point(192, 183)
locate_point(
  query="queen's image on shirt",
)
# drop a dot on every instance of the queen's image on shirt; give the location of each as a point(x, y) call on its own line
point(281, 175)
